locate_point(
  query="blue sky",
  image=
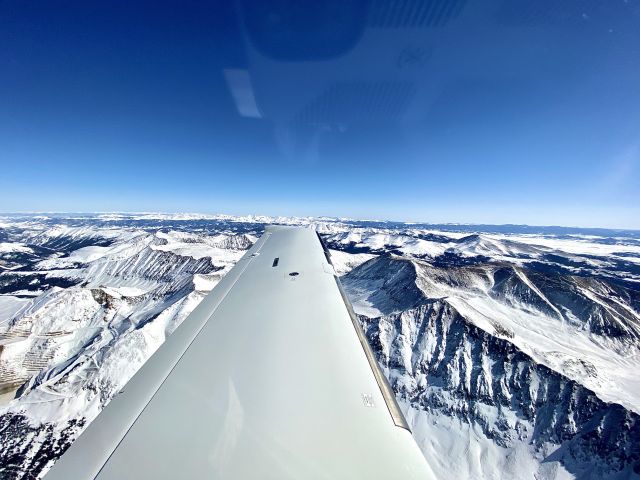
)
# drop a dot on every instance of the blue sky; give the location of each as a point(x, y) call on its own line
point(521, 115)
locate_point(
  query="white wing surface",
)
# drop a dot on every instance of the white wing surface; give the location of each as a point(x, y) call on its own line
point(270, 377)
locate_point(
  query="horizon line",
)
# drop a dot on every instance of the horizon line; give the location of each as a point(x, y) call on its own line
point(316, 217)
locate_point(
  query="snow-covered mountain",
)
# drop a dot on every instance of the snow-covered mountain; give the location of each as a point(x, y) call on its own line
point(512, 349)
point(506, 394)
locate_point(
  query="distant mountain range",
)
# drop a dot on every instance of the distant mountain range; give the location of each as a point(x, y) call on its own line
point(514, 350)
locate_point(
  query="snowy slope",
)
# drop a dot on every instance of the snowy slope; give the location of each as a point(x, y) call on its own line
point(66, 350)
point(513, 353)
point(505, 370)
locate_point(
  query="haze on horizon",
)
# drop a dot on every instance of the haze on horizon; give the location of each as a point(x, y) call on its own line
point(524, 116)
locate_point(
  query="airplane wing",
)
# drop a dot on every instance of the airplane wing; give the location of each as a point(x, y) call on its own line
point(270, 377)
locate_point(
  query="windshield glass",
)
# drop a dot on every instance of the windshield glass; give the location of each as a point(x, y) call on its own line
point(443, 111)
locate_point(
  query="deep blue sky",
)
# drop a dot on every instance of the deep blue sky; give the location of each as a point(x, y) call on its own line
point(511, 114)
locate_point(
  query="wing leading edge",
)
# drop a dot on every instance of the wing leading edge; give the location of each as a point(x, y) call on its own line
point(269, 377)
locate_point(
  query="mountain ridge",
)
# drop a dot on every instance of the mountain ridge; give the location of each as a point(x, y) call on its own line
point(479, 334)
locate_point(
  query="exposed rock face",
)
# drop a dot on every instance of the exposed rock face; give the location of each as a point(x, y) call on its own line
point(45, 443)
point(441, 364)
